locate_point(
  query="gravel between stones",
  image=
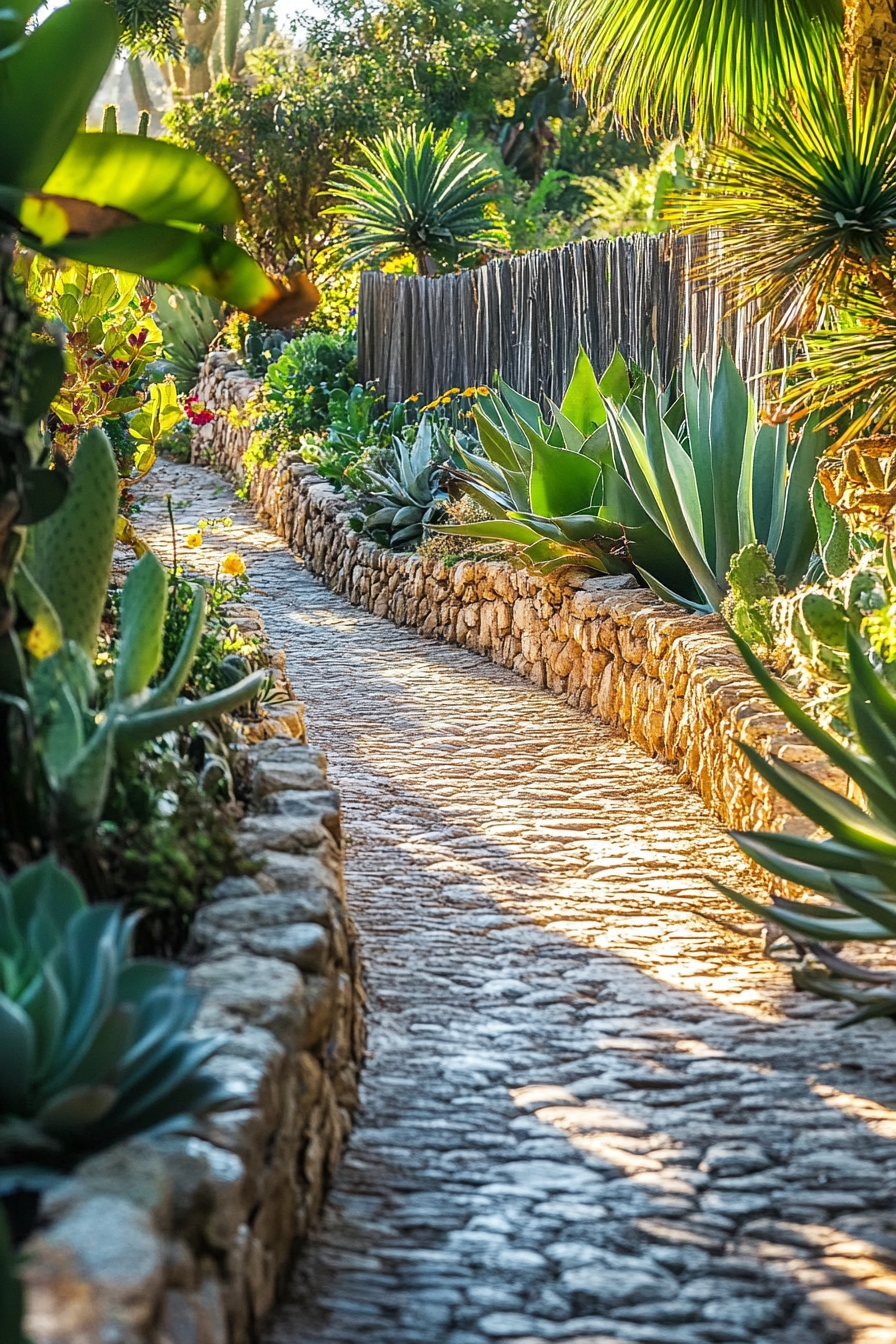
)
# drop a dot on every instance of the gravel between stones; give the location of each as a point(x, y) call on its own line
point(590, 1112)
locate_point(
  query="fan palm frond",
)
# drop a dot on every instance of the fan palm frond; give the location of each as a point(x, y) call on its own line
point(416, 194)
point(805, 204)
point(669, 66)
point(850, 364)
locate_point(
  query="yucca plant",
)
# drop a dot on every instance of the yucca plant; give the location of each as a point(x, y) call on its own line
point(402, 499)
point(420, 194)
point(855, 866)
point(94, 1045)
point(805, 204)
point(673, 66)
point(550, 488)
point(713, 480)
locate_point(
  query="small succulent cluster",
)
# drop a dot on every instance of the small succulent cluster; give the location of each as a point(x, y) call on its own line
point(408, 496)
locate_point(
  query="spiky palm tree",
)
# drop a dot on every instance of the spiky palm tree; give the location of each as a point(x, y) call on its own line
point(417, 194)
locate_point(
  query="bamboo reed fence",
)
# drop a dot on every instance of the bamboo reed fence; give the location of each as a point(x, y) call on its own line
point(525, 318)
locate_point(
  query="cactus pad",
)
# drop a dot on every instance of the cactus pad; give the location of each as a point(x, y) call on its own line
point(70, 553)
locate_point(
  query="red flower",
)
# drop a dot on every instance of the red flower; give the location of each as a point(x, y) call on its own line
point(197, 412)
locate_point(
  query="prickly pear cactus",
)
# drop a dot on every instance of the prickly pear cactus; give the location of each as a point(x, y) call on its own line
point(748, 607)
point(811, 624)
point(70, 553)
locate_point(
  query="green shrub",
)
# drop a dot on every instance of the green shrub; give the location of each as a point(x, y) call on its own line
point(299, 384)
point(166, 837)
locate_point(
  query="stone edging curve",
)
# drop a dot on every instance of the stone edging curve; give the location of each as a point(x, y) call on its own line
point(672, 681)
point(173, 1238)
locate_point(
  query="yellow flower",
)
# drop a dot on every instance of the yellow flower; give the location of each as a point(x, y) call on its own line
point(450, 393)
point(202, 524)
point(194, 540)
point(483, 391)
point(469, 392)
point(414, 397)
point(232, 564)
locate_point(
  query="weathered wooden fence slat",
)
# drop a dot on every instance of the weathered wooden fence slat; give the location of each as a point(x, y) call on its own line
point(525, 318)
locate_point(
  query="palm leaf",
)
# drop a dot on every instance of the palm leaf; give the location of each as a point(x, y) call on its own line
point(804, 203)
point(673, 65)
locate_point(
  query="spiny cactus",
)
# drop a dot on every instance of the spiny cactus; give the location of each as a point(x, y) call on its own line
point(813, 627)
point(78, 745)
point(68, 556)
point(748, 606)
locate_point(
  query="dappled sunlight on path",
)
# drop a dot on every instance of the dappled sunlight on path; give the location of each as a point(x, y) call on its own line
point(591, 1112)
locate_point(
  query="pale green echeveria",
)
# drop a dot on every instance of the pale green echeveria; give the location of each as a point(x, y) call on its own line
point(713, 479)
point(95, 1045)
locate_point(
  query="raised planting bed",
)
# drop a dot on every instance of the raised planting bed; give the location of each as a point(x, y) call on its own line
point(673, 682)
point(187, 1236)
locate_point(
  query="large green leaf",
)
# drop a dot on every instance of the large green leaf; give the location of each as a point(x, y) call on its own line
point(871, 781)
point(47, 85)
point(144, 600)
point(837, 815)
point(168, 690)
point(810, 925)
point(696, 65)
point(731, 418)
point(156, 181)
point(798, 532)
point(501, 529)
point(582, 403)
point(560, 482)
point(178, 257)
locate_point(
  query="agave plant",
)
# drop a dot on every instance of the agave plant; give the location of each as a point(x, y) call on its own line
point(714, 481)
point(189, 322)
point(550, 486)
point(417, 194)
point(855, 867)
point(405, 498)
point(94, 1045)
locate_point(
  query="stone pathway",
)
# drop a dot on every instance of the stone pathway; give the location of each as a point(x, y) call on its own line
point(590, 1112)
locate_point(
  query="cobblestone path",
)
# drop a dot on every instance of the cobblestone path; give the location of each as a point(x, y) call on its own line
point(591, 1112)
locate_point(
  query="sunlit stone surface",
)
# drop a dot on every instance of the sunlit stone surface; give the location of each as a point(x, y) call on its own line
point(590, 1113)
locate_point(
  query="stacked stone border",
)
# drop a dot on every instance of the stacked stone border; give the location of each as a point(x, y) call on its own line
point(673, 682)
point(187, 1238)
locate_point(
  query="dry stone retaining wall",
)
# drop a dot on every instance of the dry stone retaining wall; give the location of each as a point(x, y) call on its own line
point(672, 681)
point(185, 1239)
